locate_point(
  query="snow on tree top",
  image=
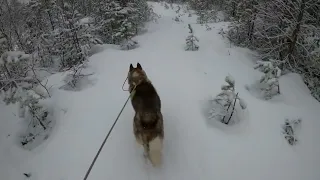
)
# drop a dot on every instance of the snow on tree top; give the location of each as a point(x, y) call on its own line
point(2, 40)
point(13, 56)
point(86, 20)
point(229, 79)
point(124, 11)
point(278, 72)
point(264, 63)
point(242, 103)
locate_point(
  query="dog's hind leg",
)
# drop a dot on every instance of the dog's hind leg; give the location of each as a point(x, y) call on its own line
point(138, 140)
point(155, 151)
point(146, 150)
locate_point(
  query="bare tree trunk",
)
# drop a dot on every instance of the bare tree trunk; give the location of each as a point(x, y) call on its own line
point(233, 9)
point(50, 19)
point(251, 27)
point(234, 104)
point(8, 39)
point(14, 25)
point(296, 31)
point(2, 30)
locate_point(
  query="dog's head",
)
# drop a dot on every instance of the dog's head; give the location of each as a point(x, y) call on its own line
point(136, 75)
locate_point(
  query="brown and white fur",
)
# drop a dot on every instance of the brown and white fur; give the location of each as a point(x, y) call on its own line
point(148, 120)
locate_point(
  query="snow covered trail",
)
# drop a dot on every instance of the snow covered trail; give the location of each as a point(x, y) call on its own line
point(193, 148)
point(183, 79)
point(178, 85)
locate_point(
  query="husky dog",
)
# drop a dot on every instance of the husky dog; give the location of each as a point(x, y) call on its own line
point(148, 120)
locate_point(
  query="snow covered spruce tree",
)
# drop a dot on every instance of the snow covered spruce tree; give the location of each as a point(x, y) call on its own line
point(207, 16)
point(208, 28)
point(290, 129)
point(5, 43)
point(11, 21)
point(200, 5)
point(37, 22)
point(129, 44)
point(222, 107)
point(118, 21)
point(51, 27)
point(38, 116)
point(18, 85)
point(66, 42)
point(270, 80)
point(13, 65)
point(191, 41)
point(205, 9)
point(242, 27)
point(166, 5)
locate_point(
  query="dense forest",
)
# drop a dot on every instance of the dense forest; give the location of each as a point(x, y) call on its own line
point(284, 32)
point(42, 37)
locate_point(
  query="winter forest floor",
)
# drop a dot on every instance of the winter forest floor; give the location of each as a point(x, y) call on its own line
point(194, 147)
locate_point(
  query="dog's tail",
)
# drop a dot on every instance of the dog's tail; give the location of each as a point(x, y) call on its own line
point(155, 151)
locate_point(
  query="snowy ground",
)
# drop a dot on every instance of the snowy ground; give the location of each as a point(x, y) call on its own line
point(193, 148)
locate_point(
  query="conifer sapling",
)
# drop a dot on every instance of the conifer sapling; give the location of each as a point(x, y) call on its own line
point(290, 130)
point(191, 41)
point(129, 44)
point(166, 6)
point(208, 28)
point(270, 79)
point(223, 105)
point(177, 19)
point(18, 86)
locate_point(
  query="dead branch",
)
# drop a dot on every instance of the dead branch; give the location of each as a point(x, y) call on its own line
point(38, 80)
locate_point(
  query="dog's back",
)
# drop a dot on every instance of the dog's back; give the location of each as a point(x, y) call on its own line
point(148, 118)
point(146, 98)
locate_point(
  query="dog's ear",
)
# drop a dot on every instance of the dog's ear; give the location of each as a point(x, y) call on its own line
point(139, 66)
point(131, 67)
